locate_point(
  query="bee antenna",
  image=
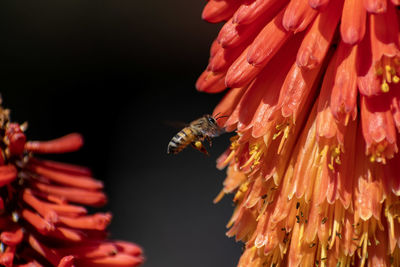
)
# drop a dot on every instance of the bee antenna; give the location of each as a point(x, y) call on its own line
point(216, 115)
point(221, 117)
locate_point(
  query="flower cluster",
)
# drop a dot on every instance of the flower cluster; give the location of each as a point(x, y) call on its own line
point(315, 100)
point(41, 220)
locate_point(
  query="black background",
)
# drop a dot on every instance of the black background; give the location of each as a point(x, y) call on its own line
point(115, 71)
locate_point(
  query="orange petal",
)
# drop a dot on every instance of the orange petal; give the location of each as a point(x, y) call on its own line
point(210, 82)
point(378, 127)
point(317, 40)
point(268, 42)
point(62, 167)
point(248, 13)
point(343, 99)
point(219, 10)
point(68, 143)
point(375, 6)
point(298, 15)
point(76, 195)
point(352, 27)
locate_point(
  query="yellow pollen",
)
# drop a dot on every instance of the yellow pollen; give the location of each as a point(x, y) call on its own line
point(256, 154)
point(242, 189)
point(385, 87)
point(335, 157)
point(388, 69)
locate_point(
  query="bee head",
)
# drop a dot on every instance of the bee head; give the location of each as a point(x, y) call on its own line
point(211, 119)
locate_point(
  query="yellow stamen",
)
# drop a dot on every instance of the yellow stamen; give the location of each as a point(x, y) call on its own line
point(242, 189)
point(219, 196)
point(384, 87)
point(396, 79)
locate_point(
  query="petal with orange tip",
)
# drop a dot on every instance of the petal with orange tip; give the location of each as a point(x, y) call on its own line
point(384, 29)
point(67, 143)
point(368, 81)
point(250, 12)
point(318, 4)
point(241, 72)
point(378, 127)
point(92, 198)
point(217, 11)
point(343, 99)
point(224, 58)
point(297, 87)
point(210, 82)
point(318, 38)
point(375, 6)
point(72, 180)
point(353, 23)
point(265, 90)
point(298, 15)
point(268, 42)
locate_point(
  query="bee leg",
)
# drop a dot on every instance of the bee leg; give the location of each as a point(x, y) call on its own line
point(199, 146)
point(209, 140)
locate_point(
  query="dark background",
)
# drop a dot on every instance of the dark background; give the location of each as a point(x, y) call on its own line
point(116, 71)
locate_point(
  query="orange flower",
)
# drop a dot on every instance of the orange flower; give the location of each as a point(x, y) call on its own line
point(41, 220)
point(315, 100)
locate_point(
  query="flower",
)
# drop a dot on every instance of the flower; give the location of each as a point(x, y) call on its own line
point(42, 221)
point(315, 100)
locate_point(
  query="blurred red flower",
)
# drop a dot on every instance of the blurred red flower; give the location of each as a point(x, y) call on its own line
point(42, 220)
point(315, 100)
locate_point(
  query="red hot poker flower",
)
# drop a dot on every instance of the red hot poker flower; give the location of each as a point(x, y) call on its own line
point(314, 99)
point(42, 218)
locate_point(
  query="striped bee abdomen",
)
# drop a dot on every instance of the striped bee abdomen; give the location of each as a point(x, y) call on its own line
point(180, 141)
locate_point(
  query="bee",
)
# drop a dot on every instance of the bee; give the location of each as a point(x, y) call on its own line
point(197, 131)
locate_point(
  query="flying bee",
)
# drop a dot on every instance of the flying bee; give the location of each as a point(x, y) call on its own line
point(197, 131)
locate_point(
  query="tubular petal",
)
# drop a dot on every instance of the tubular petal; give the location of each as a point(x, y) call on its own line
point(298, 15)
point(298, 85)
point(76, 195)
point(264, 89)
point(384, 30)
point(98, 221)
point(62, 167)
point(219, 10)
point(249, 12)
point(79, 181)
point(318, 4)
point(378, 127)
point(268, 42)
point(353, 24)
point(68, 143)
point(211, 82)
point(343, 99)
point(375, 6)
point(241, 72)
point(317, 40)
point(224, 58)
